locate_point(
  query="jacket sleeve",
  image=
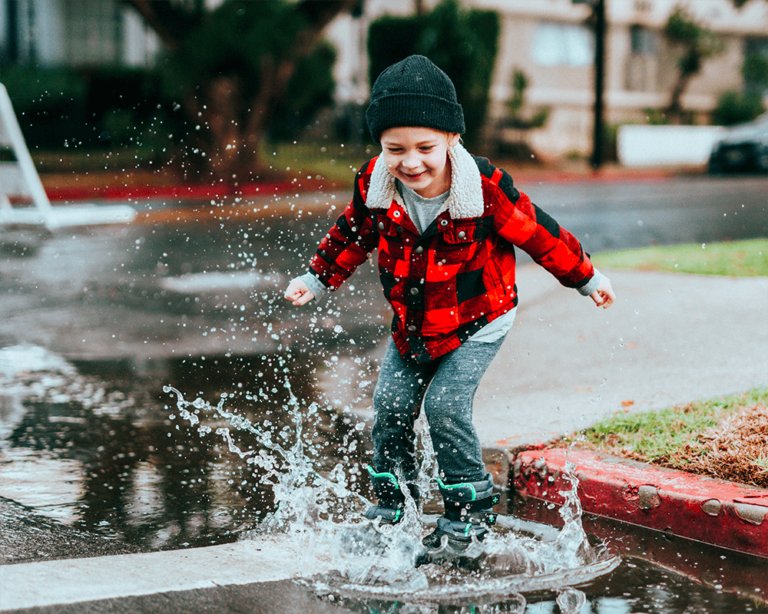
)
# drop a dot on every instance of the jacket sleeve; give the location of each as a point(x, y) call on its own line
point(349, 242)
point(525, 225)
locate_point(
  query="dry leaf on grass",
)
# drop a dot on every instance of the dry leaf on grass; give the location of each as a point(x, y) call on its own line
point(731, 450)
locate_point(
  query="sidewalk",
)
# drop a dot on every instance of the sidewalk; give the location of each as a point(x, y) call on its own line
point(669, 339)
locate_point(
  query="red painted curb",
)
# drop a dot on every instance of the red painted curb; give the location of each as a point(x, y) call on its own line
point(186, 191)
point(709, 510)
point(193, 191)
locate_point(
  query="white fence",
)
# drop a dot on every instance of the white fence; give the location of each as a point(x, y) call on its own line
point(666, 145)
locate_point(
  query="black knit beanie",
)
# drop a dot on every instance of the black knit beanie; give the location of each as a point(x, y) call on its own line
point(413, 92)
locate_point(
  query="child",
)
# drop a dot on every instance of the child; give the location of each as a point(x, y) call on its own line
point(445, 224)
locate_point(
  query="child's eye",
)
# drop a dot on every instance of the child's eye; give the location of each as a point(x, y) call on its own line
point(427, 148)
point(394, 150)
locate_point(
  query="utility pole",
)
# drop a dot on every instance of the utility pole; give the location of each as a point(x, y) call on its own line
point(598, 9)
point(599, 27)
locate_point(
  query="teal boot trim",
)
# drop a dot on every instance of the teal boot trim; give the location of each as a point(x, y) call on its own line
point(391, 500)
point(384, 475)
point(468, 512)
point(467, 499)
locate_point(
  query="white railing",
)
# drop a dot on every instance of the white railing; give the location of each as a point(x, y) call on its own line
point(19, 179)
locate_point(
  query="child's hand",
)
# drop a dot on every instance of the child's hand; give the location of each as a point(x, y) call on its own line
point(298, 292)
point(604, 295)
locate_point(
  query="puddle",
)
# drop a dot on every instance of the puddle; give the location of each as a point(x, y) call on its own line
point(95, 447)
point(98, 446)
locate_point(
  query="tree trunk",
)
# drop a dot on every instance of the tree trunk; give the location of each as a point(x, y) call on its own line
point(234, 137)
point(675, 108)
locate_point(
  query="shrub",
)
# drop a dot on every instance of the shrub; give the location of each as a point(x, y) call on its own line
point(69, 107)
point(737, 107)
point(461, 42)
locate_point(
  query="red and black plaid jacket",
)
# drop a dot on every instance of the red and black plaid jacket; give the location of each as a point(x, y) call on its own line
point(447, 283)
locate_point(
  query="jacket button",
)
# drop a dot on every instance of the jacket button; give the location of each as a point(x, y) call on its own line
point(419, 249)
point(443, 222)
point(396, 213)
point(414, 291)
point(381, 225)
point(412, 328)
point(462, 234)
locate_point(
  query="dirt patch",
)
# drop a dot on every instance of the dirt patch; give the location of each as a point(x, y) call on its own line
point(736, 450)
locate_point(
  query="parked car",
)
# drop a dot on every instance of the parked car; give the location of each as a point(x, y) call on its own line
point(743, 147)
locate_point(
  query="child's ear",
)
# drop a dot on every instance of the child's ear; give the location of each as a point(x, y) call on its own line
point(453, 139)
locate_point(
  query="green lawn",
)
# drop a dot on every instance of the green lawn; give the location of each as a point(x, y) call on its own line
point(332, 161)
point(734, 258)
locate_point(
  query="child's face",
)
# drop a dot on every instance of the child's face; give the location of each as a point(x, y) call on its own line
point(419, 158)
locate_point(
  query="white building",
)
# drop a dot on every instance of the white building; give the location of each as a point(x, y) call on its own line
point(74, 32)
point(549, 40)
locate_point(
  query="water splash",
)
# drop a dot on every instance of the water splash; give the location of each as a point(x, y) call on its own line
point(311, 506)
point(321, 515)
point(303, 495)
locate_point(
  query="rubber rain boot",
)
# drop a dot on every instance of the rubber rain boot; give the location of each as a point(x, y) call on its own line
point(391, 500)
point(468, 515)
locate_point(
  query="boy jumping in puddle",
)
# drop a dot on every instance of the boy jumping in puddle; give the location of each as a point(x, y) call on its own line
point(445, 224)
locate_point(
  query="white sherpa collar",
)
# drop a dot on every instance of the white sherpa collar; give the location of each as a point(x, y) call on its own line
point(466, 193)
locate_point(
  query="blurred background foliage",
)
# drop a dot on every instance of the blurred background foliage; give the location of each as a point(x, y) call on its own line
point(227, 79)
point(462, 42)
point(245, 90)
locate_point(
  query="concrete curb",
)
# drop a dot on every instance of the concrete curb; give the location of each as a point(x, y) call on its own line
point(712, 511)
point(69, 581)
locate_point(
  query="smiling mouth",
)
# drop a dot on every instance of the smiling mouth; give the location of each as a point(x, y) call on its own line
point(414, 176)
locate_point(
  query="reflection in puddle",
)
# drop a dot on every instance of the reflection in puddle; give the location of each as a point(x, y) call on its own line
point(217, 281)
point(104, 455)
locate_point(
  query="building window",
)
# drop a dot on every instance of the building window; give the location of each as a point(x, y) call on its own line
point(641, 71)
point(92, 31)
point(563, 44)
point(756, 65)
point(643, 40)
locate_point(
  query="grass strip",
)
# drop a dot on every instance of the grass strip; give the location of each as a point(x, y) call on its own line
point(726, 437)
point(747, 258)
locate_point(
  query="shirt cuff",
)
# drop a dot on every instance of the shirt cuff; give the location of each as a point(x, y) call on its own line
point(592, 285)
point(316, 287)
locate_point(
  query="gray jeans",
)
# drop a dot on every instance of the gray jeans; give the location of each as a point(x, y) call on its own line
point(447, 388)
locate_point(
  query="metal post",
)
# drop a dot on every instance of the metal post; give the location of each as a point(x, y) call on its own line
point(597, 136)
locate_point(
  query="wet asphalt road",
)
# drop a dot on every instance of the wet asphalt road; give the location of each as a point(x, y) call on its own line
point(154, 291)
point(684, 210)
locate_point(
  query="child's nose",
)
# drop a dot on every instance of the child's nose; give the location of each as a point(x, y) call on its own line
point(410, 161)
